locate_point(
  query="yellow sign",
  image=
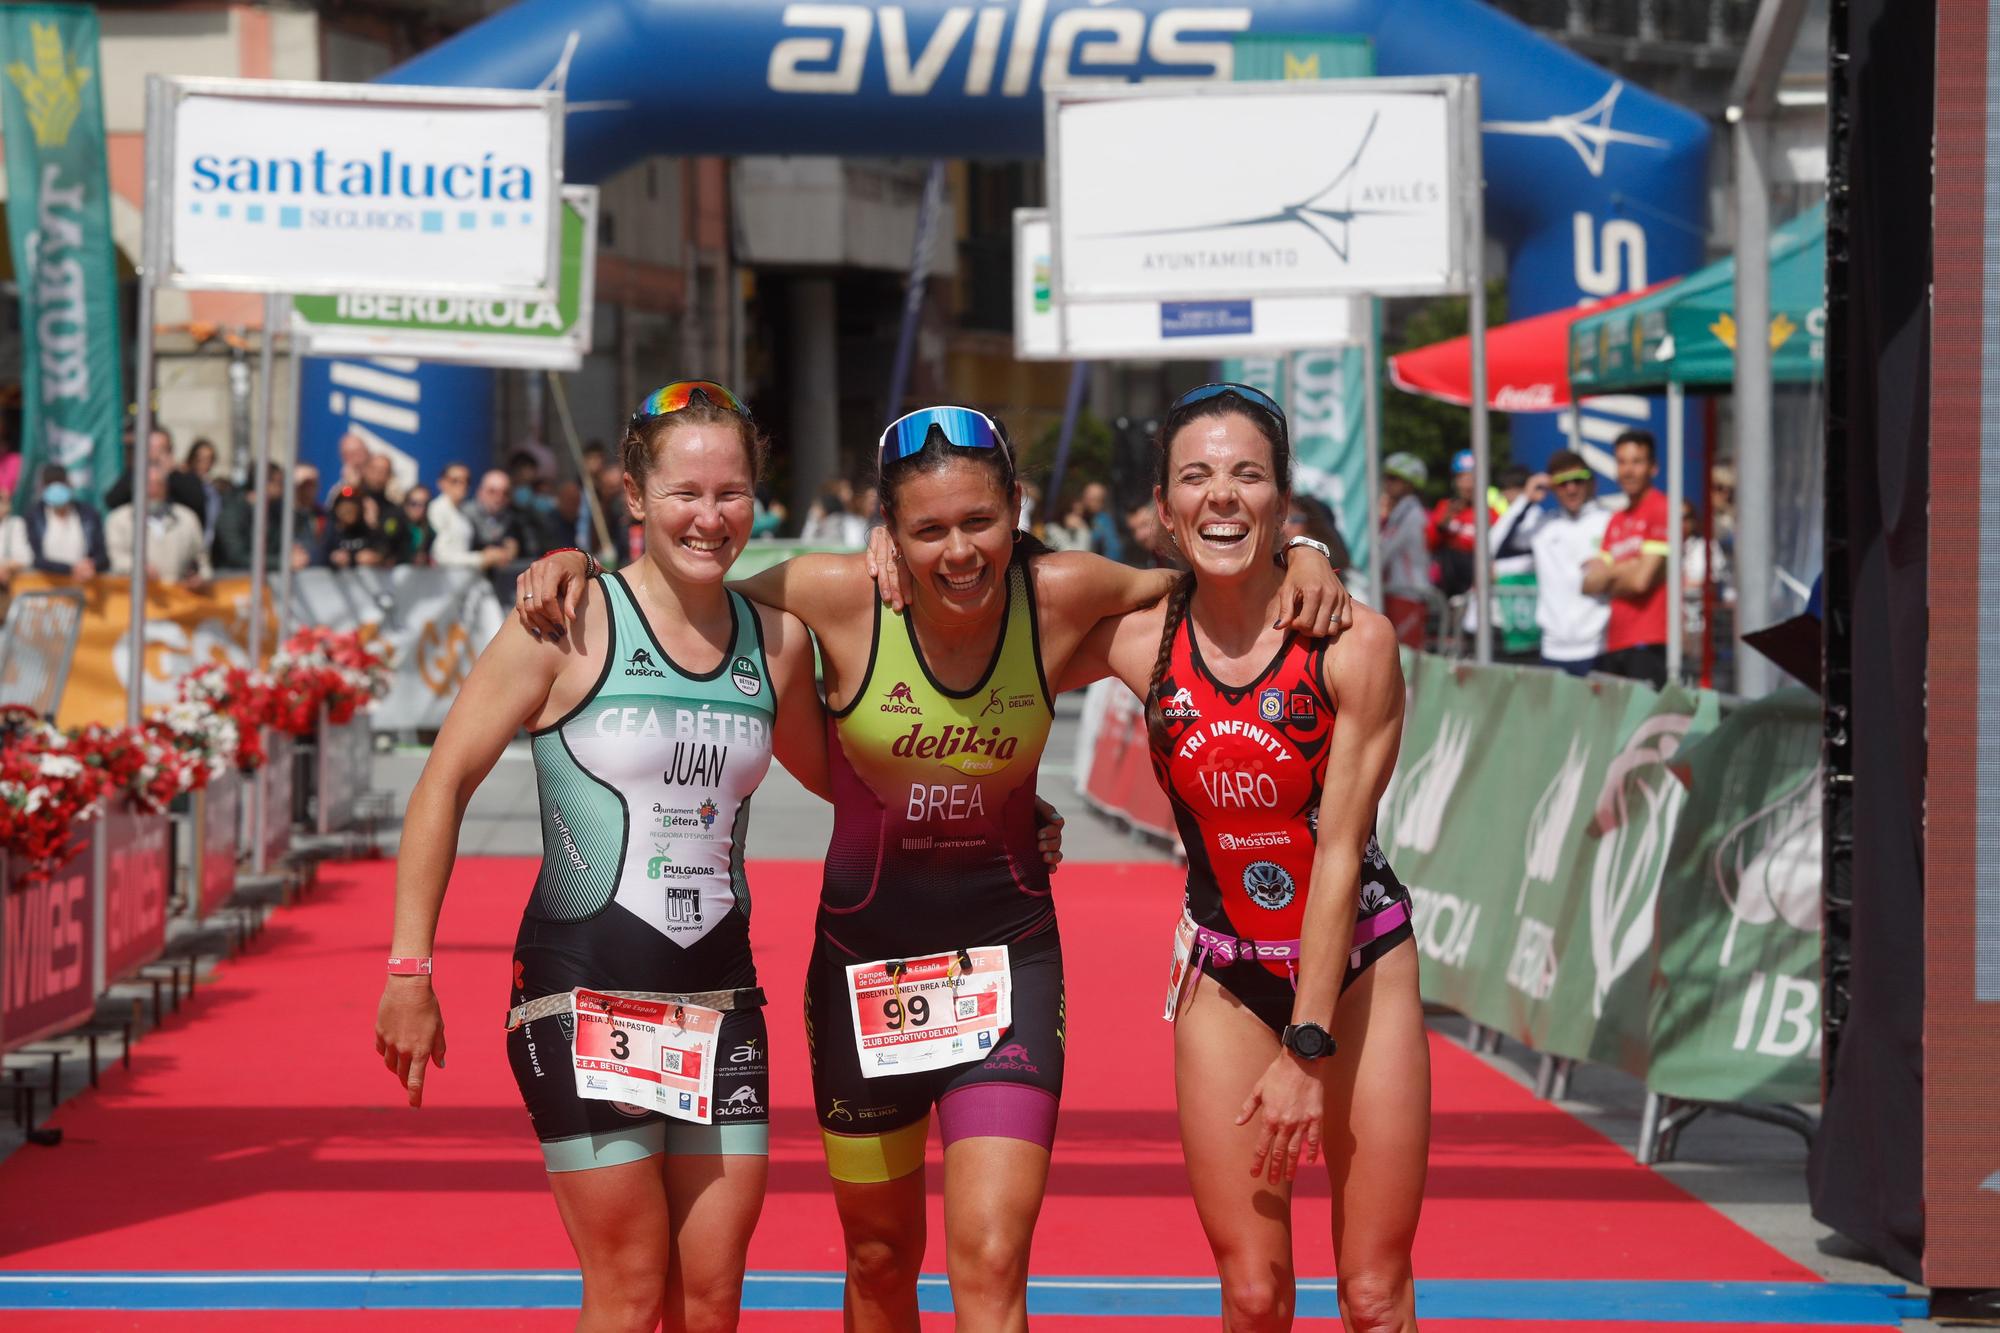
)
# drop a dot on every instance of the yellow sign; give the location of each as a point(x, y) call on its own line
point(1302, 67)
point(53, 89)
point(184, 630)
point(1724, 329)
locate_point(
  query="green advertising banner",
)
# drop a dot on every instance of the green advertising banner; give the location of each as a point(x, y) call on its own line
point(517, 334)
point(1735, 1015)
point(1530, 814)
point(59, 224)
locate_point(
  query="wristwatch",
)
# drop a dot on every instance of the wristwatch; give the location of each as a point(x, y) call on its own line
point(1321, 547)
point(1308, 1041)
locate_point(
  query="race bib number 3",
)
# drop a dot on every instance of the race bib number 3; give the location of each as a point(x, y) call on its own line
point(646, 1053)
point(929, 1013)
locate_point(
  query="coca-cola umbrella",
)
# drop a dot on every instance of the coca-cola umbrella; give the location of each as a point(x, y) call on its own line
point(1527, 362)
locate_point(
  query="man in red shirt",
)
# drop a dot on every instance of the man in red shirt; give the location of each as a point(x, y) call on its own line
point(1631, 570)
point(1452, 530)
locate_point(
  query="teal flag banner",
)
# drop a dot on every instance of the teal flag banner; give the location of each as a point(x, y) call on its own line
point(59, 220)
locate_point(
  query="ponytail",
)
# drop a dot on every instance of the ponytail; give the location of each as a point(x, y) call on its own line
point(1177, 606)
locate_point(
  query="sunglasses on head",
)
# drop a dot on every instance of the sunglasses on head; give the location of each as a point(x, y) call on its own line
point(680, 393)
point(1574, 475)
point(961, 427)
point(1256, 398)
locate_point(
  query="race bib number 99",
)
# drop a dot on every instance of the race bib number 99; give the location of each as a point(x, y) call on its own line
point(646, 1053)
point(930, 1013)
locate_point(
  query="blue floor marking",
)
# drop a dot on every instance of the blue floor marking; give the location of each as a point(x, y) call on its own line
point(1546, 1303)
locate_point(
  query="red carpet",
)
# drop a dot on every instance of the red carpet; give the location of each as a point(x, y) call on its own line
point(259, 1131)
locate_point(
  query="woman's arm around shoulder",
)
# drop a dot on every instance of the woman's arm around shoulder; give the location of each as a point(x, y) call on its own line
point(799, 736)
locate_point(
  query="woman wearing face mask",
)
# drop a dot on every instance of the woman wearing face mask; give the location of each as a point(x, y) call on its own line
point(58, 534)
point(1298, 1027)
point(936, 976)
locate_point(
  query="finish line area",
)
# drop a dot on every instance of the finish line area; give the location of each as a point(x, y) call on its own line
point(1466, 1303)
point(257, 1158)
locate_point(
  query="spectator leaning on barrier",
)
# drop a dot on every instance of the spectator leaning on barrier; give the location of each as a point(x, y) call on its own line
point(235, 525)
point(1405, 558)
point(350, 539)
point(57, 534)
point(1631, 570)
point(175, 549)
point(1566, 542)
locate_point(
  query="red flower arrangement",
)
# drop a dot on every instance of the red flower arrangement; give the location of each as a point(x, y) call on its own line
point(46, 792)
point(322, 668)
point(145, 765)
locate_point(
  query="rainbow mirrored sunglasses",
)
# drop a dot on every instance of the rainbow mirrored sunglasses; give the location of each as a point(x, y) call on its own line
point(962, 427)
point(680, 393)
point(1256, 398)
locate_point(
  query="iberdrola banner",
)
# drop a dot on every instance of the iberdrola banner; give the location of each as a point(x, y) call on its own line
point(59, 220)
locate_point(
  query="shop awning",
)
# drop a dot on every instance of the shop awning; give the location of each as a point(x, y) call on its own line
point(1526, 362)
point(1685, 332)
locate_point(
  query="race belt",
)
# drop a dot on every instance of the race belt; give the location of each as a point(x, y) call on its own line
point(564, 1002)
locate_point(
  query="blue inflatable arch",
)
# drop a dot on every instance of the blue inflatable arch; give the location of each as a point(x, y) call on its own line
point(1593, 186)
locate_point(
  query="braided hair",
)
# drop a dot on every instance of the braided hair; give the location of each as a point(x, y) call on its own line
point(1182, 593)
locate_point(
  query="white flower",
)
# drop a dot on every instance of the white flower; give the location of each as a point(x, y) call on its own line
point(60, 767)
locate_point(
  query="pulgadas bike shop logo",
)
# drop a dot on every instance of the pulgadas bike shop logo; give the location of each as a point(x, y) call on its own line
point(395, 189)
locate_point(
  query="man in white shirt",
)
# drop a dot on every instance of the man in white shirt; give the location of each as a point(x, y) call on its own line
point(176, 550)
point(1572, 620)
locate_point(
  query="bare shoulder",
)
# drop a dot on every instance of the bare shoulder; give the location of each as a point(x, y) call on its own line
point(784, 633)
point(1367, 656)
point(816, 587)
point(1084, 583)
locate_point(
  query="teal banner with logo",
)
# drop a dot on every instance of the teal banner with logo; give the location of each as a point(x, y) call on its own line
point(59, 220)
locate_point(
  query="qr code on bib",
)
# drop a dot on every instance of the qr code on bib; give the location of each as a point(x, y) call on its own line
point(968, 1007)
point(670, 1062)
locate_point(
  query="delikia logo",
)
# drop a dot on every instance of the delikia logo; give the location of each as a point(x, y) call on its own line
point(52, 89)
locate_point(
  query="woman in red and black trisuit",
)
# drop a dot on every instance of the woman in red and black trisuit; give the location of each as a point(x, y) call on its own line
point(1298, 1027)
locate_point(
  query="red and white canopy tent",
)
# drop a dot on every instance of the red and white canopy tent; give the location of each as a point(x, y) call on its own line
point(1527, 362)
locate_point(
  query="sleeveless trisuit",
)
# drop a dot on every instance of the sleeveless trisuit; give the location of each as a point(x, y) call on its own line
point(934, 850)
point(645, 795)
point(1243, 768)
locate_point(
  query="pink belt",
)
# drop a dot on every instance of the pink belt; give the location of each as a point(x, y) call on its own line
point(1227, 949)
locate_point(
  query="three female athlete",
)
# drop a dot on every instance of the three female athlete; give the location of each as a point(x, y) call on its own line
point(1298, 1027)
point(936, 975)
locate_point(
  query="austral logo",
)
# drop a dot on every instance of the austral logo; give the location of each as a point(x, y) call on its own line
point(900, 700)
point(641, 663)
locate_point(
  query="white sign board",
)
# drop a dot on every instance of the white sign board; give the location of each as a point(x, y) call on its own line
point(325, 188)
point(1046, 329)
point(1190, 191)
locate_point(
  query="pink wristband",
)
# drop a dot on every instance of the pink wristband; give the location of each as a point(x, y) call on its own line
point(409, 967)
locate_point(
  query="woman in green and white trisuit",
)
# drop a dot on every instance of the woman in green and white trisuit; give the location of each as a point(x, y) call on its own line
point(653, 721)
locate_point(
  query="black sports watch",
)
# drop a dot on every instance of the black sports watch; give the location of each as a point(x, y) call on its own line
point(1308, 1041)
